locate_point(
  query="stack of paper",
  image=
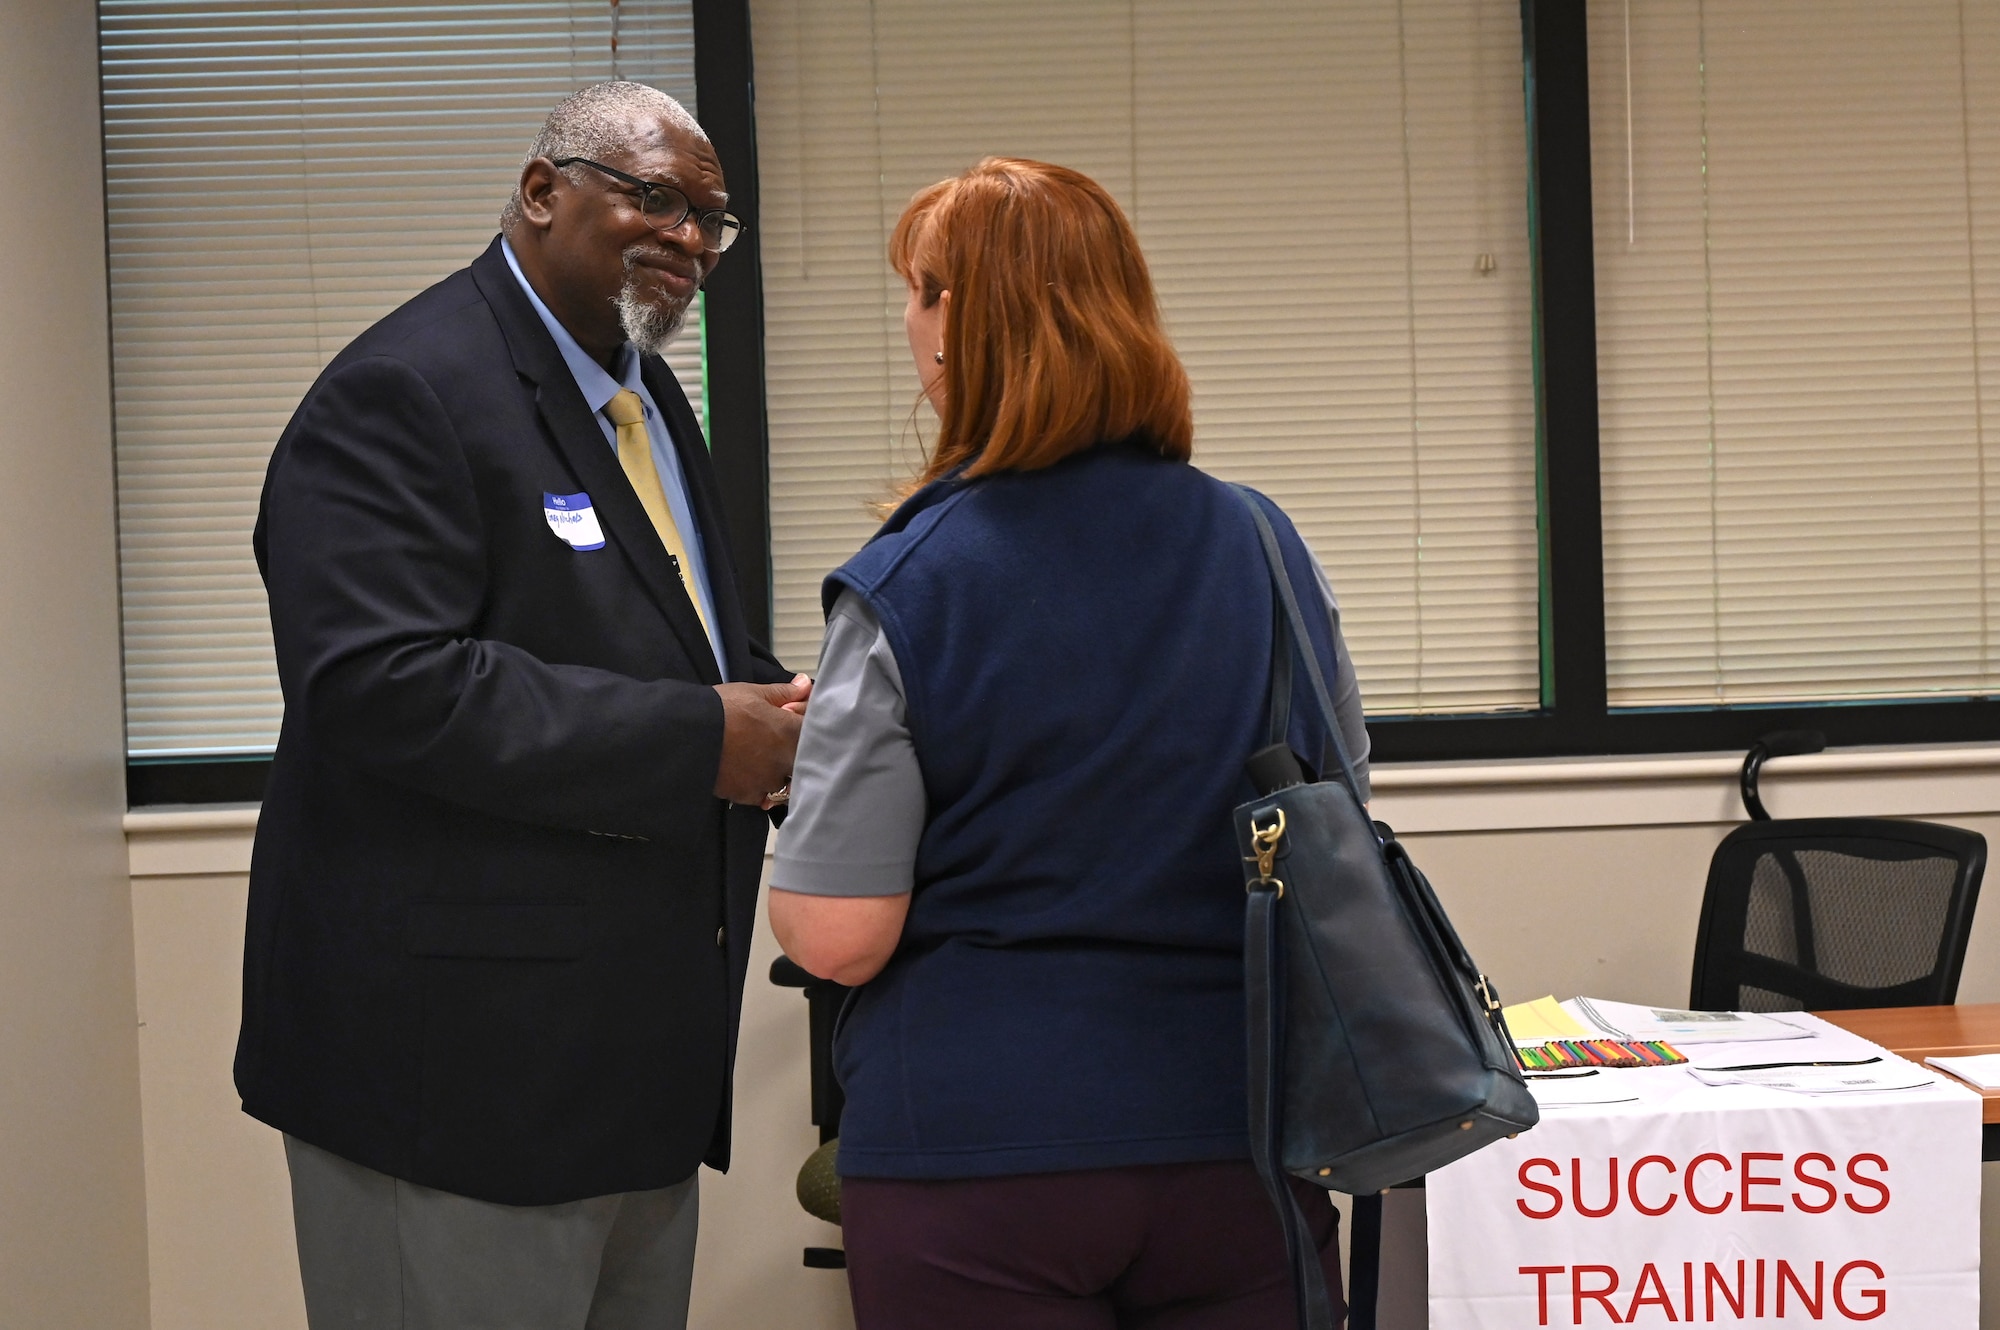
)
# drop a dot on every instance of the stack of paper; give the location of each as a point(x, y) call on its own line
point(1556, 1090)
point(1875, 1075)
point(1626, 1020)
point(1980, 1069)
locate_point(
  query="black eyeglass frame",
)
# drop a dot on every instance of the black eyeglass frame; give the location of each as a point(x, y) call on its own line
point(728, 226)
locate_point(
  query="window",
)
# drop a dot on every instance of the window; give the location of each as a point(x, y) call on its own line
point(1761, 378)
point(1629, 365)
point(1798, 244)
point(1343, 263)
point(278, 178)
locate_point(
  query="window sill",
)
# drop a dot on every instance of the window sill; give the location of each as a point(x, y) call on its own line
point(1937, 780)
point(1429, 798)
point(190, 841)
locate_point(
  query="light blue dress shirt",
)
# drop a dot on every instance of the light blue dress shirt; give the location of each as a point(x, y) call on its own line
point(598, 389)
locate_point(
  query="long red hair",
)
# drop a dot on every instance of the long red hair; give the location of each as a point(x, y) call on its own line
point(1053, 343)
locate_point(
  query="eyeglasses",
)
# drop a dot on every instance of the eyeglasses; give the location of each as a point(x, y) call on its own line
point(665, 207)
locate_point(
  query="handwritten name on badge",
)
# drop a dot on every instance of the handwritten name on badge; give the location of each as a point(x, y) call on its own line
point(573, 520)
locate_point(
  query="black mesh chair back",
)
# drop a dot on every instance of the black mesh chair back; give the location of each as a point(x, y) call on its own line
point(1830, 914)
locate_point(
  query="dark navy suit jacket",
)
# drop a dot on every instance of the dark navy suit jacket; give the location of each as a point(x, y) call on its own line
point(498, 920)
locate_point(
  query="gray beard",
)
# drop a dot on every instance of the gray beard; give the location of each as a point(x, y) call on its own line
point(650, 326)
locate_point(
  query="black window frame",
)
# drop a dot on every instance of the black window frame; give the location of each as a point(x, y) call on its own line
point(1575, 718)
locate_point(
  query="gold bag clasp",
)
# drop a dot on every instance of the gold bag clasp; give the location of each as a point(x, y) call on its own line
point(1264, 842)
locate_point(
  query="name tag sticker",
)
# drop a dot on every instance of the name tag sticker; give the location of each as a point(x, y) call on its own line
point(573, 520)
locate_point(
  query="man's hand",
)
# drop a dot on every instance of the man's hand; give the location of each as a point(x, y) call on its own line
point(760, 735)
point(799, 707)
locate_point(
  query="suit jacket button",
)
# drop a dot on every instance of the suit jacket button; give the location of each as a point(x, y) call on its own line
point(719, 937)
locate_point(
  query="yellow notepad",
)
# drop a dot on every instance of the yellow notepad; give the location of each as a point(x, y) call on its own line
point(1542, 1020)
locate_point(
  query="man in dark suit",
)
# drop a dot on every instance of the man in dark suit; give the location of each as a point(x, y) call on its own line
point(506, 869)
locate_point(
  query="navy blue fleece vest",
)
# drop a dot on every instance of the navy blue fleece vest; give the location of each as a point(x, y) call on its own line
point(1085, 652)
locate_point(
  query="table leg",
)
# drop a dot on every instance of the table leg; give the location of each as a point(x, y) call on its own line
point(1364, 1261)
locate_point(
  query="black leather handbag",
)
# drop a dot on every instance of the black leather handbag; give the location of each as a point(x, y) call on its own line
point(1377, 1049)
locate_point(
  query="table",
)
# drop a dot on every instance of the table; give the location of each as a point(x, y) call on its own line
point(1911, 1032)
point(1920, 1032)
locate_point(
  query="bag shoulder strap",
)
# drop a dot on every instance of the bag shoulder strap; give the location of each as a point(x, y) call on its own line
point(1290, 640)
point(1263, 951)
point(1261, 955)
point(1280, 728)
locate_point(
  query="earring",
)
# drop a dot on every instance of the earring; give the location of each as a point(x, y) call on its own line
point(939, 356)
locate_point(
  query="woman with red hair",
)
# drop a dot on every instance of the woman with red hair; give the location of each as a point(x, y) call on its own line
point(1010, 823)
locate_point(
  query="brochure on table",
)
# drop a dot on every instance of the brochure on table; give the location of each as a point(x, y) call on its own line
point(1805, 1176)
point(1979, 1069)
point(1630, 1020)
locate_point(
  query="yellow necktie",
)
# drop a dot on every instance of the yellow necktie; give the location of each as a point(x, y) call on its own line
point(635, 454)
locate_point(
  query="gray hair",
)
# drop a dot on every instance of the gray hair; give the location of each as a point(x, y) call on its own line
point(595, 122)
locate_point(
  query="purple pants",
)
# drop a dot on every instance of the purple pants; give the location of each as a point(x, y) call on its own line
point(1159, 1247)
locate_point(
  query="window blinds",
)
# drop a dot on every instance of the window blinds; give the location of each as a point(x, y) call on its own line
point(279, 176)
point(1332, 197)
point(1797, 244)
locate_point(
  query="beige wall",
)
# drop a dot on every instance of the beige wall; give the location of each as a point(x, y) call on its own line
point(1607, 909)
point(72, 1209)
point(1611, 911)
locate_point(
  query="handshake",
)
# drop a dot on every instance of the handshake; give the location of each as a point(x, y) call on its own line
point(760, 736)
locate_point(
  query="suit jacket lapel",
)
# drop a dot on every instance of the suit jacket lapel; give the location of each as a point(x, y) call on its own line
point(706, 501)
point(580, 440)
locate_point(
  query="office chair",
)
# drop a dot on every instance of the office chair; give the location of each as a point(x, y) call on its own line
point(818, 1185)
point(1833, 913)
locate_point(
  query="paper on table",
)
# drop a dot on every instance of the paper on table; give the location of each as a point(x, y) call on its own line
point(1626, 1020)
point(1980, 1069)
point(1582, 1092)
point(1890, 1074)
point(1539, 1021)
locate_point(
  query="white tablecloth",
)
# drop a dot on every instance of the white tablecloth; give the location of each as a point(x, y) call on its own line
point(1719, 1204)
